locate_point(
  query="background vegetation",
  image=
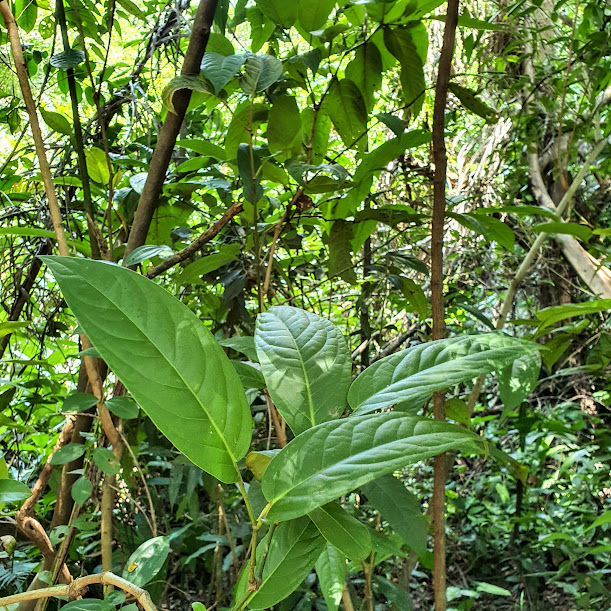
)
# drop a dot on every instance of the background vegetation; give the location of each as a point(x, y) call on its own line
point(303, 175)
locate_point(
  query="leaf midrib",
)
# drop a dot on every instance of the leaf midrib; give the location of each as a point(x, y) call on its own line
point(188, 386)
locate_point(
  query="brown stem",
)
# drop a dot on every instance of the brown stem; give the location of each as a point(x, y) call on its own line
point(30, 106)
point(276, 421)
point(76, 588)
point(162, 154)
point(197, 244)
point(437, 305)
point(348, 606)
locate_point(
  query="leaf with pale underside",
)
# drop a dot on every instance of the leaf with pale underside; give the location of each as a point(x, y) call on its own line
point(410, 377)
point(165, 356)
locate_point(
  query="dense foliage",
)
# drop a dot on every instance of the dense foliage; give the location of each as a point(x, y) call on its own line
point(236, 447)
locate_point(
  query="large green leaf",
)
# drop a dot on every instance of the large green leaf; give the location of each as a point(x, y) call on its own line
point(331, 569)
point(305, 361)
point(284, 124)
point(345, 105)
point(400, 508)
point(343, 531)
point(334, 458)
point(12, 491)
point(313, 14)
point(166, 357)
point(411, 376)
point(403, 46)
point(281, 12)
point(292, 552)
point(365, 71)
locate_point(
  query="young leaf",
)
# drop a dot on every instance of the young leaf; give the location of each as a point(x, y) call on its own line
point(306, 364)
point(411, 376)
point(97, 165)
point(342, 531)
point(293, 550)
point(147, 561)
point(400, 508)
point(169, 361)
point(331, 569)
point(57, 122)
point(334, 458)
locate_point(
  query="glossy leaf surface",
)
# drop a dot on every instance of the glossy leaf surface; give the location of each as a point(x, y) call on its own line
point(304, 359)
point(411, 376)
point(334, 458)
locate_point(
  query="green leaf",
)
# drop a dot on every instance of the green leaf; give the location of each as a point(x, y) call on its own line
point(64, 60)
point(605, 518)
point(306, 364)
point(411, 376)
point(313, 14)
point(219, 70)
point(345, 105)
point(123, 407)
point(258, 462)
point(401, 44)
point(340, 251)
point(400, 508)
point(44, 233)
point(78, 402)
point(249, 165)
point(365, 71)
point(81, 490)
point(579, 231)
point(203, 147)
point(192, 274)
point(88, 604)
point(550, 316)
point(67, 453)
point(12, 491)
point(56, 122)
point(177, 363)
point(245, 345)
point(97, 167)
point(331, 569)
point(106, 462)
point(489, 588)
point(293, 550)
point(250, 376)
point(197, 83)
point(281, 12)
point(471, 102)
point(8, 327)
point(518, 379)
point(260, 71)
point(26, 12)
point(260, 28)
point(394, 594)
point(334, 458)
point(147, 561)
point(148, 251)
point(342, 531)
point(284, 124)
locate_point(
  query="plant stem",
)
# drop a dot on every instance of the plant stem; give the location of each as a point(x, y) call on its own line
point(437, 306)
